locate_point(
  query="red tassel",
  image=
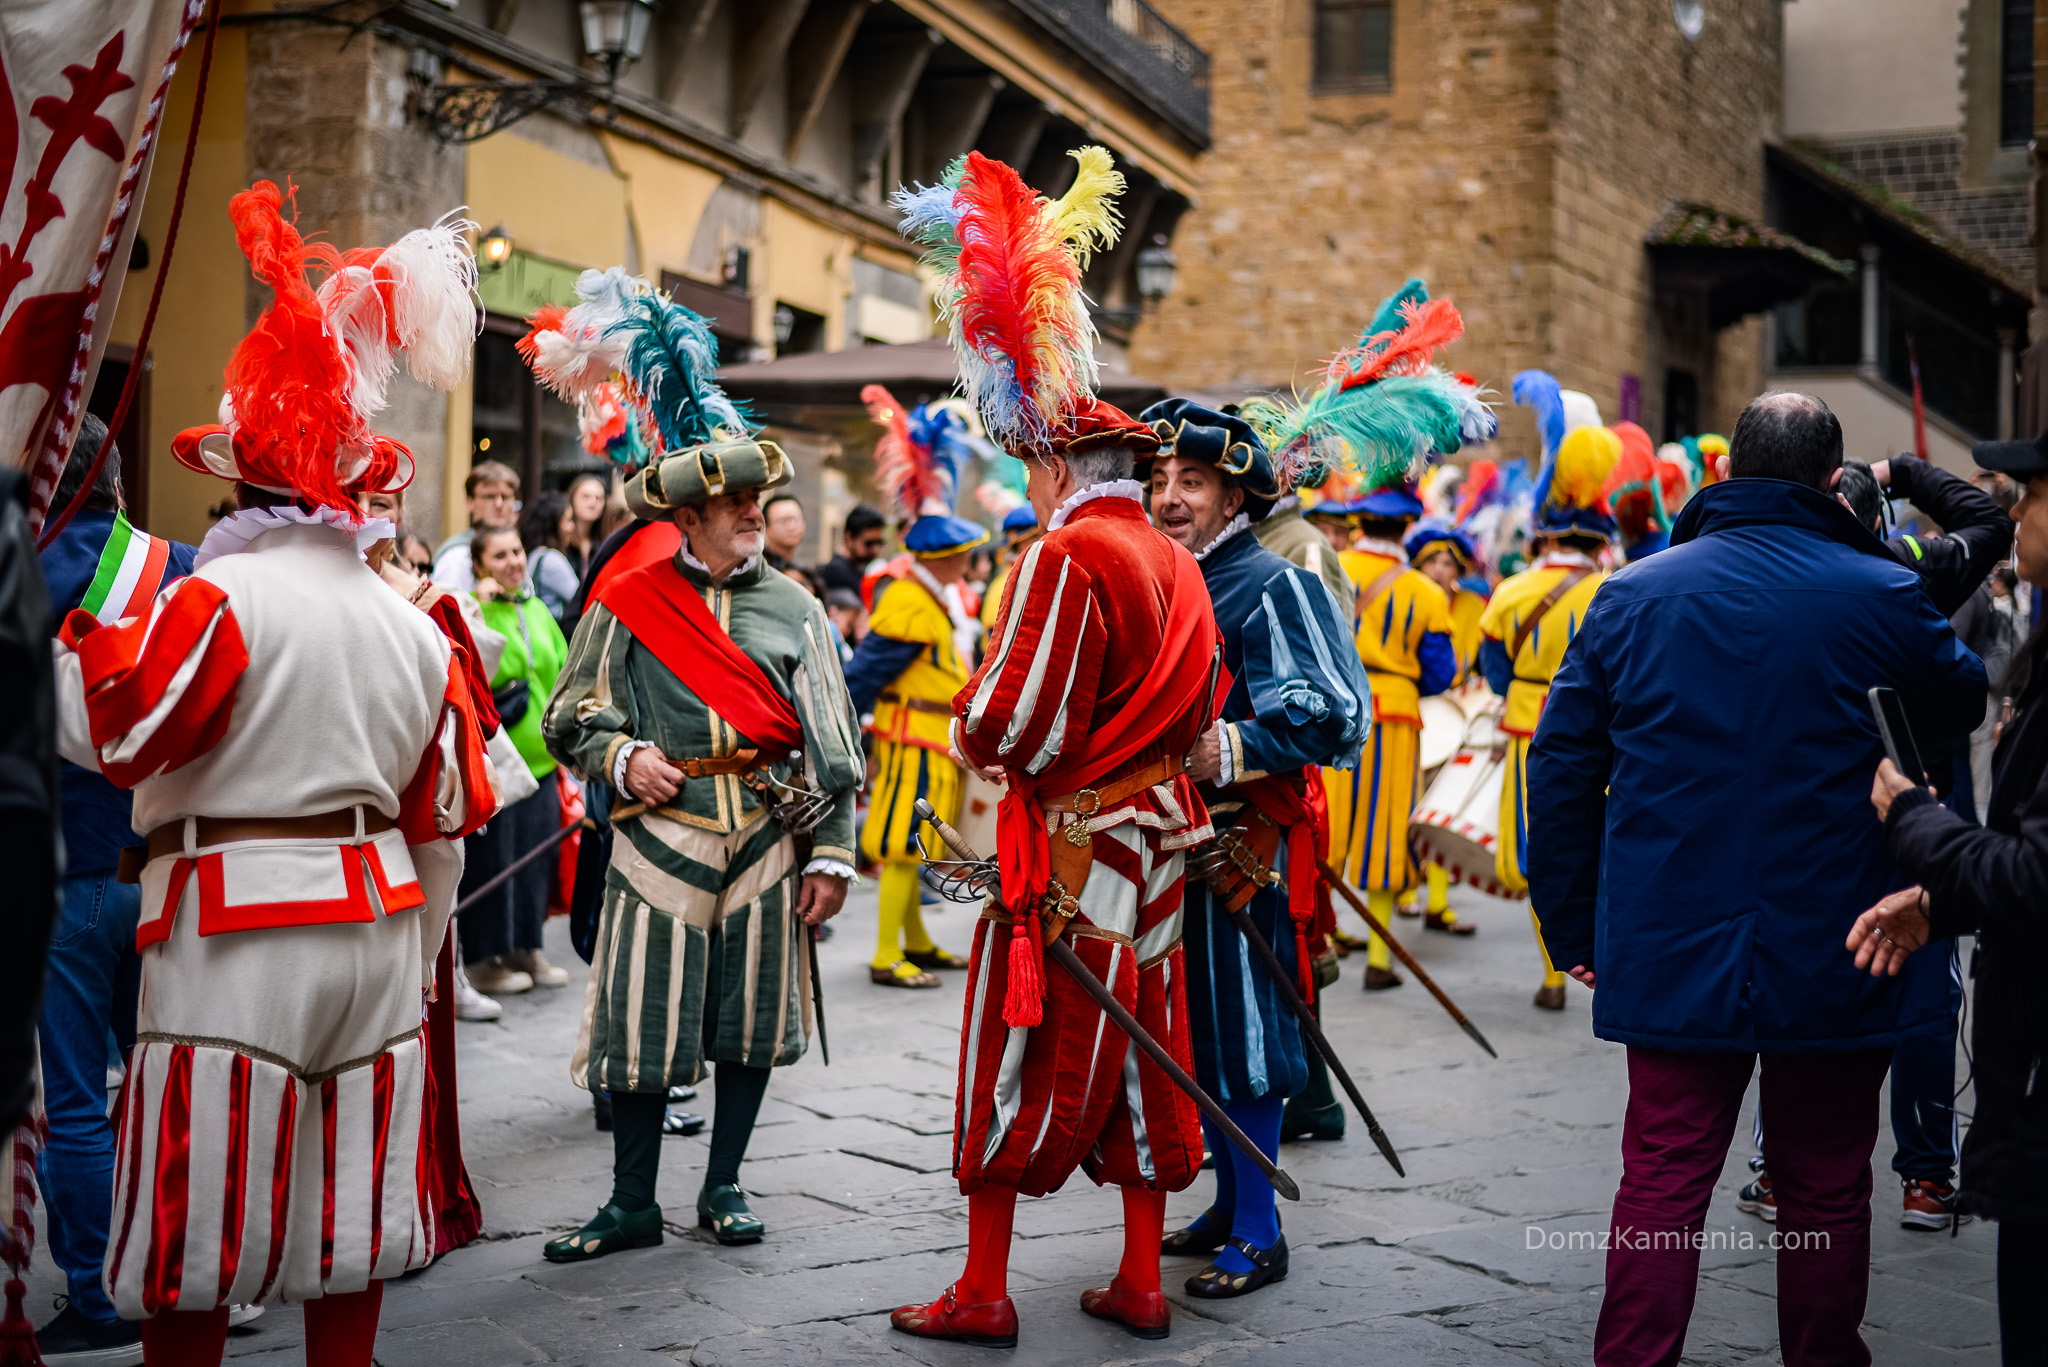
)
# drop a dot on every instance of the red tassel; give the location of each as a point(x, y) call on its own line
point(17, 1335)
point(1024, 1001)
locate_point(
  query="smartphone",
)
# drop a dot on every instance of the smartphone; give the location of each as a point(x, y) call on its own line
point(1897, 734)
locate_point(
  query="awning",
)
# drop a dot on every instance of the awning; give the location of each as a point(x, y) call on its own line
point(1742, 267)
point(915, 372)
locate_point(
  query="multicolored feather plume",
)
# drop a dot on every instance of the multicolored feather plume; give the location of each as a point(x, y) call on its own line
point(1538, 389)
point(1086, 217)
point(670, 360)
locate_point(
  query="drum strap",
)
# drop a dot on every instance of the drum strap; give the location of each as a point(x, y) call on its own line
point(1372, 591)
point(1542, 610)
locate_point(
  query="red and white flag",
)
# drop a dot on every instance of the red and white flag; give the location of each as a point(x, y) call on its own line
point(82, 88)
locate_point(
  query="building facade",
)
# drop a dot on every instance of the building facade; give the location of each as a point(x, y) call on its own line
point(743, 159)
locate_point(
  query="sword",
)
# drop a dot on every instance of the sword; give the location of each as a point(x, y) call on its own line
point(818, 997)
point(1336, 880)
point(1310, 1026)
point(1062, 953)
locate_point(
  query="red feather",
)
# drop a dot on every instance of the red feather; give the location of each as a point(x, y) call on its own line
point(546, 318)
point(1018, 287)
point(1429, 328)
point(903, 471)
point(287, 380)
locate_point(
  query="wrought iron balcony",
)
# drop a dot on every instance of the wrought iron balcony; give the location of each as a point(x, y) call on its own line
point(1143, 53)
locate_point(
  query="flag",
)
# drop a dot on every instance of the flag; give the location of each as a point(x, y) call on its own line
point(84, 88)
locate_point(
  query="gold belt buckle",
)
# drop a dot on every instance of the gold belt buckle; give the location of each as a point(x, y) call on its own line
point(1087, 803)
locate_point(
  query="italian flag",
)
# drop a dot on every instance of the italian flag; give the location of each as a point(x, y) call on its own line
point(131, 570)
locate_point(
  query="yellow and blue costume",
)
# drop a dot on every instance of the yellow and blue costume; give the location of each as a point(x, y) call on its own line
point(1569, 505)
point(1468, 605)
point(915, 657)
point(1020, 529)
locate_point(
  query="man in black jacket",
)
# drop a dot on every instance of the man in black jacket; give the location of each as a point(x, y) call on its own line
point(28, 797)
point(1976, 532)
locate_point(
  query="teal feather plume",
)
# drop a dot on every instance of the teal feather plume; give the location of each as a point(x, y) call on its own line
point(1387, 318)
point(1385, 430)
point(671, 358)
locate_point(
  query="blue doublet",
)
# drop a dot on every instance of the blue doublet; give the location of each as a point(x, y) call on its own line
point(1298, 697)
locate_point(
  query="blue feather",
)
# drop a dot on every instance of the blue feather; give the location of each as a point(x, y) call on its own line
point(671, 357)
point(1538, 389)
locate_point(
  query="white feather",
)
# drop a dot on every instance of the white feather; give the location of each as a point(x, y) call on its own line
point(355, 315)
point(433, 288)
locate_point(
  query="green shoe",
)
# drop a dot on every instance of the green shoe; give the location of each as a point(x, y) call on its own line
point(611, 1230)
point(1312, 1122)
point(724, 1211)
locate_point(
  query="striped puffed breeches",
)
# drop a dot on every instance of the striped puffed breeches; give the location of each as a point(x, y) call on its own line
point(269, 1127)
point(1034, 1104)
point(700, 957)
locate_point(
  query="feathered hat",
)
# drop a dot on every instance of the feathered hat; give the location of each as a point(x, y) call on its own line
point(1430, 537)
point(917, 467)
point(1009, 263)
point(627, 344)
point(303, 386)
point(1384, 408)
point(1336, 496)
point(1645, 490)
point(1700, 453)
point(1576, 460)
point(1224, 440)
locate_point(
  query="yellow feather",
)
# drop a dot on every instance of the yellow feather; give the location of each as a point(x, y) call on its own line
point(1085, 217)
point(1585, 459)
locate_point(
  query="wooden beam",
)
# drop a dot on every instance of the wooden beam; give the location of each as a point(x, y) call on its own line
point(768, 27)
point(888, 68)
point(1012, 132)
point(815, 57)
point(955, 111)
point(680, 39)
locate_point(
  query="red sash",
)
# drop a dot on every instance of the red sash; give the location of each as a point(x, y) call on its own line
point(666, 614)
point(1178, 679)
point(1296, 803)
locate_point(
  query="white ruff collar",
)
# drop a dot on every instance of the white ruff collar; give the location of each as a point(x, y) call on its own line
point(1115, 488)
point(1230, 529)
point(1286, 503)
point(233, 533)
point(1566, 560)
point(1390, 549)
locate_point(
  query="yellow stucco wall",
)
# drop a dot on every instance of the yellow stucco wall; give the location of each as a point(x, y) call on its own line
point(666, 197)
point(808, 265)
point(201, 317)
point(552, 205)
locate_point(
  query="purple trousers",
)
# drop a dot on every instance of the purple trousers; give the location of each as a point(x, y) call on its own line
point(1820, 1124)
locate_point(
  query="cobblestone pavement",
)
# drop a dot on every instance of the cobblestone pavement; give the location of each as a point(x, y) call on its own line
point(849, 1169)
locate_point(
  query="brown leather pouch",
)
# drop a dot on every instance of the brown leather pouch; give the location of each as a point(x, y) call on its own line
point(128, 869)
point(1071, 864)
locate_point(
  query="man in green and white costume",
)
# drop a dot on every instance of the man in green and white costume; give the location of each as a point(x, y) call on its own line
point(702, 944)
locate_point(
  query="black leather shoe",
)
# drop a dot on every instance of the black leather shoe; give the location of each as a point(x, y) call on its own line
point(681, 1122)
point(1212, 1283)
point(724, 1211)
point(1194, 1242)
point(611, 1230)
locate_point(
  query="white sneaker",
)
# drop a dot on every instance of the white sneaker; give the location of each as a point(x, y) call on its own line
point(543, 973)
point(470, 1004)
point(239, 1315)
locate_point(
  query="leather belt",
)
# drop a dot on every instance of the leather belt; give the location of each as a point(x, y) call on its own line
point(891, 696)
point(739, 762)
point(169, 838)
point(1089, 801)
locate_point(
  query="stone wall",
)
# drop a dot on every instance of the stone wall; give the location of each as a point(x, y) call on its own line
point(1517, 162)
point(327, 109)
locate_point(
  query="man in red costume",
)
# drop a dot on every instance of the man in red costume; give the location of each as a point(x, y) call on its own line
point(1101, 677)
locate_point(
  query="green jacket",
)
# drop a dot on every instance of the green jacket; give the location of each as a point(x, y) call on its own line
point(615, 690)
point(534, 651)
point(1287, 534)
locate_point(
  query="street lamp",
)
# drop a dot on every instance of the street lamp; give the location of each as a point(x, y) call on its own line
point(615, 32)
point(495, 247)
point(1156, 270)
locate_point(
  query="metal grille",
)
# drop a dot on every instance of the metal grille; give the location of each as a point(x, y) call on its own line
point(1146, 55)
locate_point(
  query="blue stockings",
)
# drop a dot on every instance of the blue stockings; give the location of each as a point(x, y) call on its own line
point(1243, 1195)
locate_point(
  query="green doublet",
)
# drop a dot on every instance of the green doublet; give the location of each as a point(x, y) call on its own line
point(700, 956)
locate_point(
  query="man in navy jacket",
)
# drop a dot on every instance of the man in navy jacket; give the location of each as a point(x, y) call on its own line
point(1698, 849)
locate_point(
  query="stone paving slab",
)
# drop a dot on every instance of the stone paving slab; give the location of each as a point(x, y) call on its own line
point(849, 1168)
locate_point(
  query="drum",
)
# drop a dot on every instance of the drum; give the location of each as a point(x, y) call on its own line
point(1475, 697)
point(1443, 731)
point(1456, 826)
point(977, 825)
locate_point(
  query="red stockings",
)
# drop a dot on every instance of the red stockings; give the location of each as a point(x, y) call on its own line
point(341, 1331)
point(992, 1211)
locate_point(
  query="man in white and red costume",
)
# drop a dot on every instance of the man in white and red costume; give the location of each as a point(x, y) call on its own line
point(293, 731)
point(1101, 677)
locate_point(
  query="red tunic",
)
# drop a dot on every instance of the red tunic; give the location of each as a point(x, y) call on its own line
point(1104, 661)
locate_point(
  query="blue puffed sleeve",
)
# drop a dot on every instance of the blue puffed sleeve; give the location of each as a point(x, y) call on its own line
point(1495, 665)
point(876, 662)
point(1439, 661)
point(1302, 682)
